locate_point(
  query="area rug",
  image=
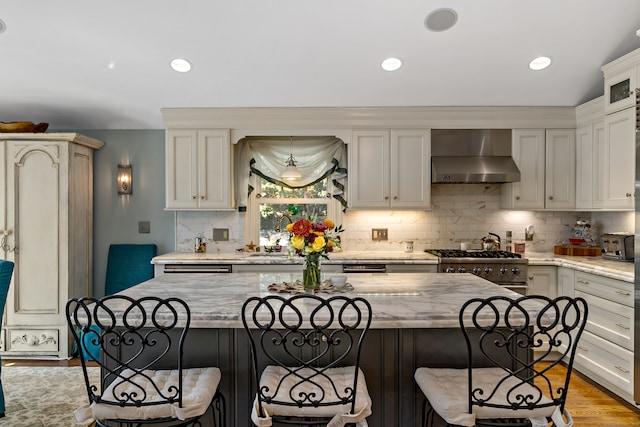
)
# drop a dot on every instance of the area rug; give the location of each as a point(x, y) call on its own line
point(43, 396)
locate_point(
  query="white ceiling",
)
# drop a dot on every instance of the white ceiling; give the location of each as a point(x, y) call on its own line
point(55, 55)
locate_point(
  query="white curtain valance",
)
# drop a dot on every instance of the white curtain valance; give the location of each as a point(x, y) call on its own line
point(266, 157)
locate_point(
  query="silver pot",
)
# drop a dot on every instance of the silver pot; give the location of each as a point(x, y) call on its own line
point(490, 243)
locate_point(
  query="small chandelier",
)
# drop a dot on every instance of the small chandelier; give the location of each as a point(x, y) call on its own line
point(291, 172)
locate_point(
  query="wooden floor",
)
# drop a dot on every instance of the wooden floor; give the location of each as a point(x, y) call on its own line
point(589, 404)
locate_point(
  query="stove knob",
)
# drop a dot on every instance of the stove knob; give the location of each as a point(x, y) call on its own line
point(503, 271)
point(488, 270)
point(462, 270)
point(477, 270)
point(515, 271)
point(450, 270)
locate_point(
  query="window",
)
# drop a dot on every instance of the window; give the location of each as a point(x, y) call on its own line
point(270, 203)
point(278, 206)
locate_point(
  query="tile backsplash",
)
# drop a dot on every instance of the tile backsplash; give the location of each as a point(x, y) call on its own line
point(459, 213)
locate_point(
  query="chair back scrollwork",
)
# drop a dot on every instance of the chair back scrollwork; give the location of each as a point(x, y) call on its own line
point(134, 336)
point(304, 336)
point(502, 332)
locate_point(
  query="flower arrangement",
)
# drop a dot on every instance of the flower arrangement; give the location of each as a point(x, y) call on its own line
point(313, 240)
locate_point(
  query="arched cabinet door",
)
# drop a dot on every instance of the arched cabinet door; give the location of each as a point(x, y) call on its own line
point(48, 209)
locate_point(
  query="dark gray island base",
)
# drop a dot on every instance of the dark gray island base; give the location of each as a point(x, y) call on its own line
point(415, 323)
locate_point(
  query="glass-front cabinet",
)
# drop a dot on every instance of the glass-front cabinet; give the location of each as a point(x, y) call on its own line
point(619, 91)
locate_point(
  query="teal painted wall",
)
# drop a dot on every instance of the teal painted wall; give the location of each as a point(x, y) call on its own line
point(116, 217)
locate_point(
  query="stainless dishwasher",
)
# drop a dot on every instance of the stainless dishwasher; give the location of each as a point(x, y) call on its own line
point(364, 268)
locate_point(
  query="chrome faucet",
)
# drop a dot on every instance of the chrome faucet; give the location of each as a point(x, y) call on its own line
point(281, 216)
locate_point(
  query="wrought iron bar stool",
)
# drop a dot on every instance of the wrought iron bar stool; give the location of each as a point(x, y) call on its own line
point(142, 380)
point(306, 355)
point(505, 382)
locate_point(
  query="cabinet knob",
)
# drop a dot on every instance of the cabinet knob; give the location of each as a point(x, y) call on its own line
point(629, 194)
point(550, 197)
point(201, 197)
point(193, 197)
point(517, 197)
point(386, 197)
point(395, 197)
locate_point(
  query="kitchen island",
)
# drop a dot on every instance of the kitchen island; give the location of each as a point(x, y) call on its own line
point(415, 323)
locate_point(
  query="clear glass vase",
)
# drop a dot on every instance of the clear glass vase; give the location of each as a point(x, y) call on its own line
point(311, 272)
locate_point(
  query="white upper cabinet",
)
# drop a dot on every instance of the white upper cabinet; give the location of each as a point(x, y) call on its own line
point(560, 169)
point(546, 160)
point(390, 169)
point(619, 90)
point(618, 160)
point(621, 78)
point(198, 169)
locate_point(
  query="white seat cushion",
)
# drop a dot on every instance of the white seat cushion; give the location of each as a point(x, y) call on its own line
point(199, 385)
point(341, 377)
point(447, 391)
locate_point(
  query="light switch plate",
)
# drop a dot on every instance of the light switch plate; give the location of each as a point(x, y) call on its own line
point(379, 234)
point(144, 227)
point(220, 234)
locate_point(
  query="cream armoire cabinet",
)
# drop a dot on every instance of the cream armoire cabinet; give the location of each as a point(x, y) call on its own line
point(46, 215)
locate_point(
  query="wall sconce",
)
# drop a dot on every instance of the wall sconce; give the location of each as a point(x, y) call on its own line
point(124, 179)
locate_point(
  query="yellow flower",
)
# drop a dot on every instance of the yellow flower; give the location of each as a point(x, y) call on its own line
point(329, 224)
point(318, 244)
point(297, 242)
point(289, 228)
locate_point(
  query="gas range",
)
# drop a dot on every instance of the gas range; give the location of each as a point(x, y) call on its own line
point(501, 267)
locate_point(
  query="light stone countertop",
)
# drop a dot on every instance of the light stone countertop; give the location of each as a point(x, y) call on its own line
point(364, 257)
point(595, 265)
point(398, 300)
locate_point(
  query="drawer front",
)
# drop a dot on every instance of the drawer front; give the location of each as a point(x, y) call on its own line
point(32, 340)
point(603, 287)
point(609, 320)
point(609, 361)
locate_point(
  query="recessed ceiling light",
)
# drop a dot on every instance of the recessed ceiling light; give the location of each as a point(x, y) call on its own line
point(3, 26)
point(441, 19)
point(391, 64)
point(540, 63)
point(180, 65)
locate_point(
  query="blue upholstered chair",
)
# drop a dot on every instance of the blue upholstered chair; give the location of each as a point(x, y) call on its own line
point(127, 265)
point(6, 269)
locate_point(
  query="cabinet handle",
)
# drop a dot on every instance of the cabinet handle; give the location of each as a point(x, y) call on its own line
point(395, 197)
point(530, 277)
point(550, 197)
point(3, 242)
point(625, 293)
point(517, 197)
point(201, 197)
point(583, 348)
point(629, 194)
point(621, 369)
point(193, 197)
point(386, 197)
point(584, 282)
point(620, 325)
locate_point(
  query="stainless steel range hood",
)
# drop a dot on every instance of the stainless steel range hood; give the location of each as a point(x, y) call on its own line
point(472, 156)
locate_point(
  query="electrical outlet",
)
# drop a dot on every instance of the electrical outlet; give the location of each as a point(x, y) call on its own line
point(379, 234)
point(144, 227)
point(220, 234)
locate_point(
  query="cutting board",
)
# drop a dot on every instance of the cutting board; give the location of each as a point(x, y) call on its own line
point(577, 250)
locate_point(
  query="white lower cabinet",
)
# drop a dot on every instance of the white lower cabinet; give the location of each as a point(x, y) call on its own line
point(605, 351)
point(542, 280)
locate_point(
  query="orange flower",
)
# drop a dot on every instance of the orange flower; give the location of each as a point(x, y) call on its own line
point(289, 228)
point(301, 227)
point(329, 224)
